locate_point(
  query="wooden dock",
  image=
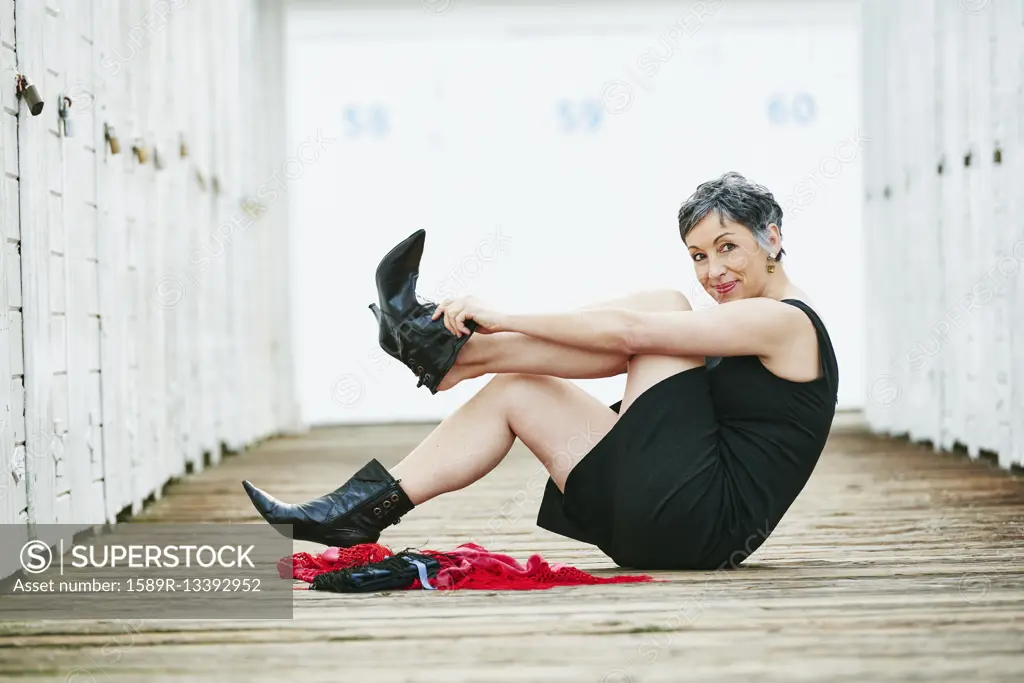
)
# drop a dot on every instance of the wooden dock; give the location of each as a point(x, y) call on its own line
point(895, 564)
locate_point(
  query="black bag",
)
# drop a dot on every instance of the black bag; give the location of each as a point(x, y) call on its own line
point(397, 571)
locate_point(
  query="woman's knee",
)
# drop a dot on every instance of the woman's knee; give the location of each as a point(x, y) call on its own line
point(518, 387)
point(659, 300)
point(521, 395)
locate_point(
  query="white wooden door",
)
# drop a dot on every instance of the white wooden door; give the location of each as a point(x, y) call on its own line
point(124, 360)
point(60, 329)
point(13, 461)
point(41, 205)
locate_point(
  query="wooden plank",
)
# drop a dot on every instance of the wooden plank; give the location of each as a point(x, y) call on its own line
point(10, 135)
point(881, 372)
point(248, 335)
point(59, 410)
point(873, 363)
point(58, 280)
point(58, 344)
point(908, 191)
point(185, 274)
point(18, 461)
point(158, 213)
point(217, 272)
point(176, 172)
point(228, 262)
point(136, 201)
point(34, 142)
point(272, 21)
point(10, 212)
point(201, 260)
point(264, 46)
point(7, 26)
point(953, 193)
point(133, 200)
point(13, 500)
point(16, 353)
point(111, 413)
point(978, 426)
point(57, 246)
point(1003, 29)
point(942, 162)
point(931, 410)
point(225, 263)
point(931, 156)
point(961, 334)
point(897, 182)
point(94, 438)
point(1015, 162)
point(886, 146)
point(12, 271)
point(74, 476)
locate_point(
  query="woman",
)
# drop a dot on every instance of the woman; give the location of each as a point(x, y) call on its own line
point(725, 413)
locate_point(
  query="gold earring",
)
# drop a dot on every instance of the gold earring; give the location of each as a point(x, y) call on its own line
point(771, 263)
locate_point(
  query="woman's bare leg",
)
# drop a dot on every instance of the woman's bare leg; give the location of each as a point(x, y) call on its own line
point(647, 370)
point(554, 418)
point(511, 352)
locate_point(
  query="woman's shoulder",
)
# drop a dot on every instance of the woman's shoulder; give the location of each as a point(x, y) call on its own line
point(813, 341)
point(796, 308)
point(809, 310)
point(784, 316)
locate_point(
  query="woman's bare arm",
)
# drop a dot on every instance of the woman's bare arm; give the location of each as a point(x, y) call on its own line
point(756, 327)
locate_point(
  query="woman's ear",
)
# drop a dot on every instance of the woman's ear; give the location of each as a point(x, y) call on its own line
point(775, 236)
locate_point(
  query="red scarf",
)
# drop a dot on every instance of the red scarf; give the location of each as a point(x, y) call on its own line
point(468, 566)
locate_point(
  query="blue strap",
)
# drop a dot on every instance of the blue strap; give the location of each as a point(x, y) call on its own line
point(422, 568)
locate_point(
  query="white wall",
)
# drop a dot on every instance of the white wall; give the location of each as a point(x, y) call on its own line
point(559, 130)
point(142, 329)
point(944, 87)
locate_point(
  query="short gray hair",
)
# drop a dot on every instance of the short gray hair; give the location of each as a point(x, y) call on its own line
point(734, 197)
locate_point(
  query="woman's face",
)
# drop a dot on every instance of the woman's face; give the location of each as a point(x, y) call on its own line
point(729, 262)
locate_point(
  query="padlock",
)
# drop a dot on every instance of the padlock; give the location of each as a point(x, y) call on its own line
point(158, 159)
point(216, 185)
point(28, 92)
point(182, 148)
point(64, 112)
point(201, 179)
point(252, 207)
point(140, 151)
point(111, 137)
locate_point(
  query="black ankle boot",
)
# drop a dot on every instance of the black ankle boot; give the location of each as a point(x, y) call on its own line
point(356, 513)
point(407, 332)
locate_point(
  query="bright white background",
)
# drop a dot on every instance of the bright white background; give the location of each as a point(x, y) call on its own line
point(489, 126)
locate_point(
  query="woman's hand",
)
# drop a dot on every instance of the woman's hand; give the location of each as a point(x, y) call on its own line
point(461, 309)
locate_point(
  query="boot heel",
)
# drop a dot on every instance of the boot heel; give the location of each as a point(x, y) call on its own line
point(384, 337)
point(354, 513)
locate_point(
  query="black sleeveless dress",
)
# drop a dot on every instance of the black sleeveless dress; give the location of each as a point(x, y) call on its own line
point(702, 467)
